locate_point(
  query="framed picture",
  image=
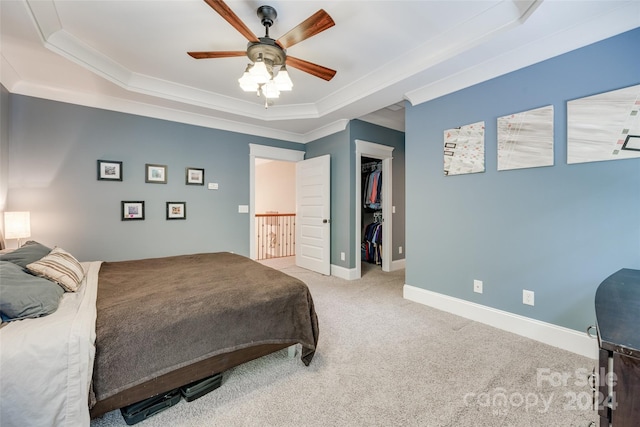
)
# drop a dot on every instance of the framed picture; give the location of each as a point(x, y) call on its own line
point(156, 174)
point(109, 170)
point(132, 211)
point(176, 210)
point(194, 176)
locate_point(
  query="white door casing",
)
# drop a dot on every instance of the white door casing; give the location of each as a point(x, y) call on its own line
point(313, 210)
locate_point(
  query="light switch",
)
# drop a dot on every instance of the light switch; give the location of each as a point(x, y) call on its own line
point(213, 186)
point(243, 208)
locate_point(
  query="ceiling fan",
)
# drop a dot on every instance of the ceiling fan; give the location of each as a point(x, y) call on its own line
point(268, 53)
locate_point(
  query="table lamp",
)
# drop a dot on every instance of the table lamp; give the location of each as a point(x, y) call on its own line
point(17, 225)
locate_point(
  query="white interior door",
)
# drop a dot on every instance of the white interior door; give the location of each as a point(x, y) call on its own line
point(313, 208)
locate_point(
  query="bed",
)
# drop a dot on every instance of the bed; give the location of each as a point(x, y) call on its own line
point(135, 329)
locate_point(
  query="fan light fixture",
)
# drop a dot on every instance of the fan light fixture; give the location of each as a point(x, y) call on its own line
point(258, 77)
point(266, 55)
point(267, 74)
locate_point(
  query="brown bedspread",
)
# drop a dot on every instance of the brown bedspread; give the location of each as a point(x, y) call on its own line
point(157, 315)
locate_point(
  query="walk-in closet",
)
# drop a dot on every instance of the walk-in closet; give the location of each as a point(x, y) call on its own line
point(372, 219)
point(373, 213)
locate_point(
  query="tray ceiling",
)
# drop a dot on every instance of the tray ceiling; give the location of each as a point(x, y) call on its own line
point(131, 56)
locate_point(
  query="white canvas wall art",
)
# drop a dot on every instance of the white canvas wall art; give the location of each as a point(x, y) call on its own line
point(605, 126)
point(464, 149)
point(525, 140)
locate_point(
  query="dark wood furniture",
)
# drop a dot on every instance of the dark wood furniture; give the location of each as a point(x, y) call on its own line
point(617, 306)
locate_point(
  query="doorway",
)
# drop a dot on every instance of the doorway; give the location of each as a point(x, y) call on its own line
point(257, 151)
point(275, 206)
point(383, 154)
point(312, 205)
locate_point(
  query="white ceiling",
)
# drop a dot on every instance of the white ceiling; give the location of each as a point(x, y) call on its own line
point(131, 56)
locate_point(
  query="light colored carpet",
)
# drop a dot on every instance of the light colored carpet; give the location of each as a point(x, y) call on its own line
point(385, 361)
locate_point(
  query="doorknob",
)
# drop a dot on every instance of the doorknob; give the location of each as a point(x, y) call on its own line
point(326, 221)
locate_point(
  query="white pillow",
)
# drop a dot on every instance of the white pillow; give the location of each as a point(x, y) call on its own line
point(60, 267)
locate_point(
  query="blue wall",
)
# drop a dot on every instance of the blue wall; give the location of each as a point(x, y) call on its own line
point(53, 149)
point(384, 136)
point(342, 149)
point(559, 230)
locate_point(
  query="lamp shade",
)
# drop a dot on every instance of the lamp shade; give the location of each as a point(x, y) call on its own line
point(259, 72)
point(17, 225)
point(282, 80)
point(247, 82)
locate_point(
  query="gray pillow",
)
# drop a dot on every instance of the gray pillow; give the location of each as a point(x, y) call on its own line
point(23, 295)
point(28, 253)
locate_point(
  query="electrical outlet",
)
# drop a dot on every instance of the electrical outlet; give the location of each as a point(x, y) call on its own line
point(528, 297)
point(342, 256)
point(399, 249)
point(477, 286)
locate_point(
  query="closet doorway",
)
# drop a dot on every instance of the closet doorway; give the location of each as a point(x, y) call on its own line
point(366, 154)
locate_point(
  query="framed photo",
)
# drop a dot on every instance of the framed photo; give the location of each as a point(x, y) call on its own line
point(132, 211)
point(109, 170)
point(194, 176)
point(156, 174)
point(176, 210)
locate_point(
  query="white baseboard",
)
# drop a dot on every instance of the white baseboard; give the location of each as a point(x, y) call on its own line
point(557, 336)
point(343, 272)
point(398, 264)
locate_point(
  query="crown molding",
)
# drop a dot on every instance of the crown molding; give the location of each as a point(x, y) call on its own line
point(68, 46)
point(625, 18)
point(382, 120)
point(9, 77)
point(487, 24)
point(460, 38)
point(165, 113)
point(321, 132)
point(190, 105)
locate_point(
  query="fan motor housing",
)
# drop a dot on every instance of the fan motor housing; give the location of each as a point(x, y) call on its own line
point(272, 54)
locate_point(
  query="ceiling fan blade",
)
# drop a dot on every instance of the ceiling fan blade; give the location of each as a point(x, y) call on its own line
point(316, 23)
point(311, 68)
point(217, 54)
point(226, 12)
